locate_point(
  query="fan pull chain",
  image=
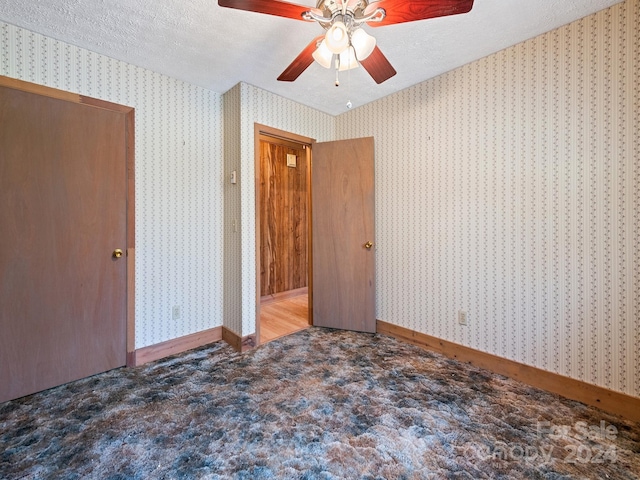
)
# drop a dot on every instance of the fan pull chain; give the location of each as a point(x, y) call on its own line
point(349, 104)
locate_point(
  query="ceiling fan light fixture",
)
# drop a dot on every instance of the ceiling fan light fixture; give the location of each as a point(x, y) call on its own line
point(342, 20)
point(337, 37)
point(348, 60)
point(363, 43)
point(323, 55)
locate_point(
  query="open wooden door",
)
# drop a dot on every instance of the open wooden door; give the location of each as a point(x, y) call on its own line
point(343, 234)
point(63, 240)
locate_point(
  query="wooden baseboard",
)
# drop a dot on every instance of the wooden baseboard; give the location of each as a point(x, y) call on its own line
point(177, 345)
point(239, 344)
point(608, 400)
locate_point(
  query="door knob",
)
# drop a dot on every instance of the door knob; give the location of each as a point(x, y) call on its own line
point(368, 245)
point(117, 253)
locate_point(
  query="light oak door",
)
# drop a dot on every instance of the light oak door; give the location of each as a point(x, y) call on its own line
point(63, 213)
point(343, 234)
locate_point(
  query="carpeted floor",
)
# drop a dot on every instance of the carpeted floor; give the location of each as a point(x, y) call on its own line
point(317, 404)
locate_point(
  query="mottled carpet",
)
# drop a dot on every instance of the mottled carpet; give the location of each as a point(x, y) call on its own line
point(317, 404)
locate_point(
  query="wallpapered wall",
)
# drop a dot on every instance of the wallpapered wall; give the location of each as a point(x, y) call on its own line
point(178, 176)
point(509, 188)
point(232, 213)
point(257, 106)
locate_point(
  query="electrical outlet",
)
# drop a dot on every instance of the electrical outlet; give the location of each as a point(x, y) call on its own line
point(462, 317)
point(176, 313)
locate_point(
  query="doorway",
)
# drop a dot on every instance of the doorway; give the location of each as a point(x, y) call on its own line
point(340, 238)
point(283, 224)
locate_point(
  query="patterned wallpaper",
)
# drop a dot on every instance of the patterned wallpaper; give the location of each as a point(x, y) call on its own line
point(178, 185)
point(232, 214)
point(265, 108)
point(509, 188)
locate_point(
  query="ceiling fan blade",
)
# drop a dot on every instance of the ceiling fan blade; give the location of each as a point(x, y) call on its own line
point(378, 66)
point(400, 11)
point(270, 7)
point(301, 62)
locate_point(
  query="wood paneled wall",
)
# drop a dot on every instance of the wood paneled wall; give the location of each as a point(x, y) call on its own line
point(284, 208)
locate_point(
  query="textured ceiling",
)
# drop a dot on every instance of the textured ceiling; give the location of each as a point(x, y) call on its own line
point(201, 43)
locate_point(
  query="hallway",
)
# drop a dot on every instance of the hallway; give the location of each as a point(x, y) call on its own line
point(283, 314)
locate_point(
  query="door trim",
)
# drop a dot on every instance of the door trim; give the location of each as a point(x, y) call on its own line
point(258, 130)
point(129, 115)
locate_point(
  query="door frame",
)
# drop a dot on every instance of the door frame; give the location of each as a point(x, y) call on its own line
point(129, 117)
point(259, 130)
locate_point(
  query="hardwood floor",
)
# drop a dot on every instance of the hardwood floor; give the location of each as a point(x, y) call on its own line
point(282, 315)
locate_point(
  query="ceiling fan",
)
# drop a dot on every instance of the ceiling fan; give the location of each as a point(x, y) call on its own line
point(345, 44)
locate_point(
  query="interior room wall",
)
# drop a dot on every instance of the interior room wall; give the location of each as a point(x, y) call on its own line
point(178, 157)
point(265, 108)
point(508, 189)
point(232, 245)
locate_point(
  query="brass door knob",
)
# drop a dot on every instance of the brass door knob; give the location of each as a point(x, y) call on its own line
point(117, 253)
point(368, 245)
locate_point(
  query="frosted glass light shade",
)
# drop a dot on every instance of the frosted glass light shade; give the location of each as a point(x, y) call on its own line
point(348, 60)
point(363, 43)
point(323, 55)
point(337, 38)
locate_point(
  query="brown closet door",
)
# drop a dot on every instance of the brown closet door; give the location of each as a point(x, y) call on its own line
point(63, 213)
